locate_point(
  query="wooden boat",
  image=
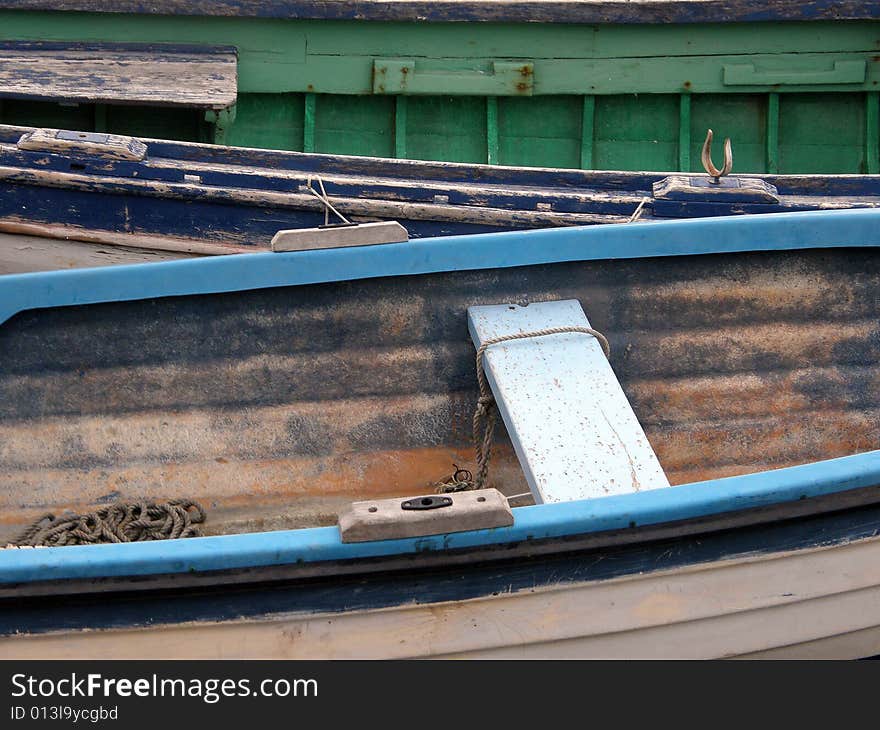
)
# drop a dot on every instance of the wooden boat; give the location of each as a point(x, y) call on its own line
point(589, 84)
point(277, 389)
point(150, 196)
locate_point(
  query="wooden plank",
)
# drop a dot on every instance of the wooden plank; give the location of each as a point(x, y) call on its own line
point(588, 129)
point(100, 117)
point(119, 75)
point(546, 11)
point(400, 127)
point(684, 132)
point(21, 254)
point(772, 133)
point(841, 72)
point(572, 427)
point(350, 74)
point(492, 130)
point(146, 242)
point(872, 132)
point(403, 76)
point(309, 123)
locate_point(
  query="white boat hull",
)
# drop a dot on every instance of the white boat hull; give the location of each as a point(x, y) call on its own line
point(815, 603)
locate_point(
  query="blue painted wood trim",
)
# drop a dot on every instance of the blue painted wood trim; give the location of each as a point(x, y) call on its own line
point(771, 232)
point(537, 522)
point(560, 11)
point(304, 163)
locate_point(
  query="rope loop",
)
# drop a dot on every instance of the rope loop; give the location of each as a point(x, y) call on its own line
point(119, 522)
point(486, 410)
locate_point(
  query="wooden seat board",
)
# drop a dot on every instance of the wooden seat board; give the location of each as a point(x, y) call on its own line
point(190, 77)
point(571, 425)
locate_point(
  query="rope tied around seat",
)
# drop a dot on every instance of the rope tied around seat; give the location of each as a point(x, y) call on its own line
point(120, 522)
point(486, 411)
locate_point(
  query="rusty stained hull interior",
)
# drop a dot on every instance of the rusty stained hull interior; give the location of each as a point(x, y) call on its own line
point(276, 408)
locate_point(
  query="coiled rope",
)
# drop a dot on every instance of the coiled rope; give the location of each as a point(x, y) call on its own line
point(486, 412)
point(121, 522)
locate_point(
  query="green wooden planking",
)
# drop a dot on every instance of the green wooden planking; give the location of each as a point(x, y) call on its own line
point(746, 73)
point(675, 74)
point(872, 132)
point(738, 116)
point(269, 121)
point(772, 133)
point(307, 85)
point(822, 133)
point(100, 117)
point(542, 131)
point(684, 132)
point(359, 125)
point(400, 103)
point(309, 104)
point(636, 132)
point(726, 38)
point(492, 130)
point(266, 43)
point(450, 129)
point(588, 133)
point(460, 78)
point(337, 57)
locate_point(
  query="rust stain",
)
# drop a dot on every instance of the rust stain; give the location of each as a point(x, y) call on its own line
point(732, 368)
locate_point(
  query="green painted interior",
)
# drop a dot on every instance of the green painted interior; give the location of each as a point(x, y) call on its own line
point(602, 97)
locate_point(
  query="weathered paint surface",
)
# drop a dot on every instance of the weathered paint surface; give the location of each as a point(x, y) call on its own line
point(201, 78)
point(553, 11)
point(195, 198)
point(616, 85)
point(25, 253)
point(275, 407)
point(810, 583)
point(570, 423)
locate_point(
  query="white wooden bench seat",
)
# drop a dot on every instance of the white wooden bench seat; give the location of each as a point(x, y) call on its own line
point(573, 429)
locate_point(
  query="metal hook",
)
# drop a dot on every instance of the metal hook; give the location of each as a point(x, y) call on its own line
point(706, 157)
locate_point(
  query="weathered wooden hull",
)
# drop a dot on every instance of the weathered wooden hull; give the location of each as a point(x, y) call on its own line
point(821, 601)
point(190, 199)
point(277, 388)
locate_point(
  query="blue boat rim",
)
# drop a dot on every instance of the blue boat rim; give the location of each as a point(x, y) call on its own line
point(772, 232)
point(265, 270)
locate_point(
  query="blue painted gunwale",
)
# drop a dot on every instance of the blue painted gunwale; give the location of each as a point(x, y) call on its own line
point(264, 270)
point(790, 231)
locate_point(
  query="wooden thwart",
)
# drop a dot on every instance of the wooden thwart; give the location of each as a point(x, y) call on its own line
point(570, 422)
point(204, 78)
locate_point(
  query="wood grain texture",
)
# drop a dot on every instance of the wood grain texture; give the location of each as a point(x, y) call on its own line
point(748, 603)
point(100, 146)
point(544, 11)
point(20, 254)
point(150, 75)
